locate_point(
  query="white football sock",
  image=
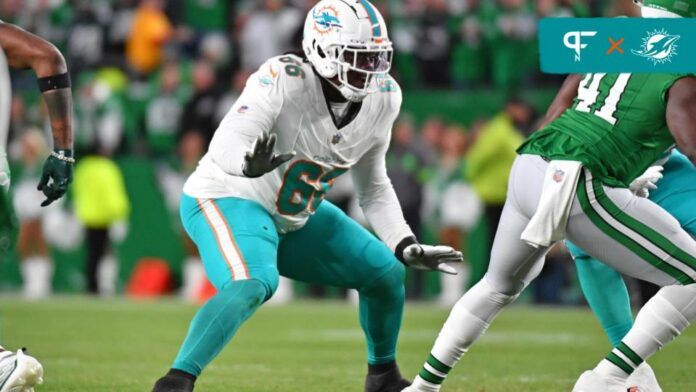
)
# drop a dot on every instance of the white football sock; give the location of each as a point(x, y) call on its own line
point(661, 320)
point(37, 273)
point(467, 321)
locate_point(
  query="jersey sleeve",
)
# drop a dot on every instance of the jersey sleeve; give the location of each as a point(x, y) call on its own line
point(670, 82)
point(376, 194)
point(254, 113)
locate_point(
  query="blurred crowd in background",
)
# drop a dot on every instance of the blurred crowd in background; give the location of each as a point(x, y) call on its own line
point(153, 78)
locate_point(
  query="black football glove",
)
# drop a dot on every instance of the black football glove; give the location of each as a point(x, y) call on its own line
point(262, 159)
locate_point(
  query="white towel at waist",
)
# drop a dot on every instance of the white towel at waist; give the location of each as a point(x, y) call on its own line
point(548, 224)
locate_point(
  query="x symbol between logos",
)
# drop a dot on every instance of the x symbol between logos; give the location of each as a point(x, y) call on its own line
point(615, 46)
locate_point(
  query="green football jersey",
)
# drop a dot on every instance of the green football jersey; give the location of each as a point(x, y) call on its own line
point(616, 126)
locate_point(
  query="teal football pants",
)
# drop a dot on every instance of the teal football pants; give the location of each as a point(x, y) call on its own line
point(243, 256)
point(603, 287)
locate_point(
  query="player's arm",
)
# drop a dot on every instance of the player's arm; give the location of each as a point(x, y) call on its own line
point(562, 101)
point(381, 207)
point(242, 144)
point(681, 115)
point(26, 50)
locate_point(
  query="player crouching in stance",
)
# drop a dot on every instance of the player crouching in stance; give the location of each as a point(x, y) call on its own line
point(255, 214)
point(20, 372)
point(571, 180)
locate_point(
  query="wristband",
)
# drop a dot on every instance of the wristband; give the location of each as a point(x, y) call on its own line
point(63, 155)
point(55, 82)
point(399, 251)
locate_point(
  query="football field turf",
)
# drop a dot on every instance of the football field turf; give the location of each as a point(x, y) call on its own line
point(119, 345)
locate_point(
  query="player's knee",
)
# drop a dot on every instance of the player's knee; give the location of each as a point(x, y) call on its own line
point(270, 285)
point(242, 294)
point(390, 283)
point(675, 292)
point(503, 287)
point(682, 298)
point(502, 296)
point(485, 300)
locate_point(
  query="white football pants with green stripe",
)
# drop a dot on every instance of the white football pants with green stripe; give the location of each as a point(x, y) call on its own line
point(633, 235)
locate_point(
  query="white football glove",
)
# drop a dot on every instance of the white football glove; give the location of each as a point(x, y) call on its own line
point(427, 257)
point(647, 181)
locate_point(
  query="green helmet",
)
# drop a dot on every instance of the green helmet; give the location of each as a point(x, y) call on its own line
point(683, 8)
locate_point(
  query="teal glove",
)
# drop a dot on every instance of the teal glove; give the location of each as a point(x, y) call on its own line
point(59, 168)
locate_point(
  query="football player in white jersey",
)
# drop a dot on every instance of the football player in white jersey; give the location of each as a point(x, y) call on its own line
point(20, 49)
point(255, 214)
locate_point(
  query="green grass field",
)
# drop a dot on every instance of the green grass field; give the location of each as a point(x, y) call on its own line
point(117, 345)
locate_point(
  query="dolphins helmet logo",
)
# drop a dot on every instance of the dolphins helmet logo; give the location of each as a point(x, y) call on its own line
point(659, 47)
point(326, 19)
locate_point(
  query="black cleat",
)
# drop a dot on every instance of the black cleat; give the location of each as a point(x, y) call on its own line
point(385, 378)
point(175, 381)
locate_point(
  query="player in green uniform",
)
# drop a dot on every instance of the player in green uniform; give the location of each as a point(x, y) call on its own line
point(571, 181)
point(604, 288)
point(20, 49)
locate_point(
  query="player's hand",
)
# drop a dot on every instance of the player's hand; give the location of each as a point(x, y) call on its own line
point(262, 157)
point(57, 176)
point(426, 257)
point(646, 182)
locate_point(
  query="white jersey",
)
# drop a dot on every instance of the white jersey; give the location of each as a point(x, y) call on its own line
point(284, 97)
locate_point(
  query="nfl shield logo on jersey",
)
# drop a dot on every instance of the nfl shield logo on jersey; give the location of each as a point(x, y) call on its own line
point(558, 175)
point(336, 138)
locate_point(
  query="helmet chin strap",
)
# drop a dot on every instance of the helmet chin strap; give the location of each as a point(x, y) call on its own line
point(351, 94)
point(345, 91)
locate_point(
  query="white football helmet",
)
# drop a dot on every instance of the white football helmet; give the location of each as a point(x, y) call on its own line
point(347, 43)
